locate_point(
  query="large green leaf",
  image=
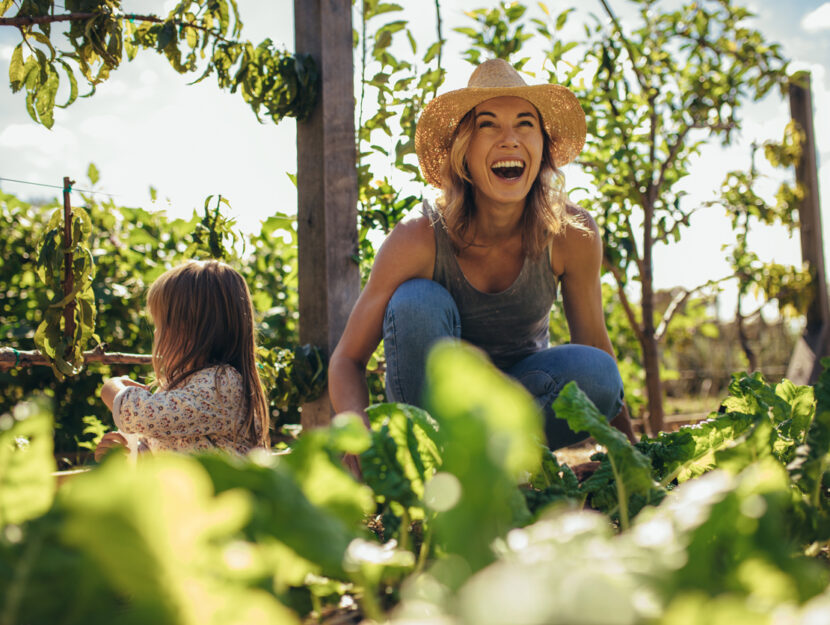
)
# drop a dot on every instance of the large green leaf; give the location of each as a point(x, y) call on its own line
point(404, 453)
point(27, 466)
point(813, 457)
point(490, 430)
point(632, 470)
point(168, 543)
point(282, 511)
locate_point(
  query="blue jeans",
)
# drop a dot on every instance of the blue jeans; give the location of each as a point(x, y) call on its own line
point(421, 312)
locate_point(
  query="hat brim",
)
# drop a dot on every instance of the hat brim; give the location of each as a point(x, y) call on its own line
point(562, 118)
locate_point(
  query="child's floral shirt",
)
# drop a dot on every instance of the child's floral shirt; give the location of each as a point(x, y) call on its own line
point(204, 412)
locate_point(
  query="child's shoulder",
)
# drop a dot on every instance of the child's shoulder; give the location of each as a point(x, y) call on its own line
point(222, 377)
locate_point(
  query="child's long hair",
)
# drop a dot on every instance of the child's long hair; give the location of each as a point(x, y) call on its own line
point(203, 315)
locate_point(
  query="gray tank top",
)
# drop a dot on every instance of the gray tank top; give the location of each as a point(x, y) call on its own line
point(509, 325)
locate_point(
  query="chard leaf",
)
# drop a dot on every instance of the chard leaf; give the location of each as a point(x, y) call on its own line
point(315, 464)
point(27, 465)
point(632, 470)
point(404, 454)
point(490, 431)
point(281, 510)
point(812, 458)
point(690, 451)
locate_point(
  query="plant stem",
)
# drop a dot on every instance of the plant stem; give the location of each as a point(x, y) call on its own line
point(622, 498)
point(405, 522)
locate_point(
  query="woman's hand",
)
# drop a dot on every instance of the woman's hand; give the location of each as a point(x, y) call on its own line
point(352, 463)
point(110, 441)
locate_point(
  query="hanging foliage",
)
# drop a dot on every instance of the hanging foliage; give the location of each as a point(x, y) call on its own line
point(194, 36)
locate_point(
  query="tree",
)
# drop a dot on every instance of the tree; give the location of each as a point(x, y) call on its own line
point(659, 92)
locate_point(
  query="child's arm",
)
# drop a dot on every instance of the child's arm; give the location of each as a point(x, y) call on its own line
point(113, 386)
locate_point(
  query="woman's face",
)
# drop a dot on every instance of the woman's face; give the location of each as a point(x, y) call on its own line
point(505, 150)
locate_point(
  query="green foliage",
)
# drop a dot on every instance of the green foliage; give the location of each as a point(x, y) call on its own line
point(501, 428)
point(100, 35)
point(401, 87)
point(129, 248)
point(630, 468)
point(69, 321)
point(26, 463)
point(215, 538)
point(498, 31)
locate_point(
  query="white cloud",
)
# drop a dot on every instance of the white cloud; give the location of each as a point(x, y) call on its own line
point(103, 127)
point(34, 137)
point(6, 53)
point(818, 19)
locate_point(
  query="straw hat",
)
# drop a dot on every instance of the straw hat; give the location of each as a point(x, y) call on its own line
point(562, 116)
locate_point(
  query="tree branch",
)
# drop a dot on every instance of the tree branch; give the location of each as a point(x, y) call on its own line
point(673, 152)
point(11, 358)
point(640, 77)
point(21, 21)
point(629, 311)
point(678, 301)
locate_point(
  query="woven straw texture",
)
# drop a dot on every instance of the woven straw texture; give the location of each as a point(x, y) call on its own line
point(562, 115)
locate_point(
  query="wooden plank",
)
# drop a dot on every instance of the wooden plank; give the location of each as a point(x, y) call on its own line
point(805, 363)
point(329, 279)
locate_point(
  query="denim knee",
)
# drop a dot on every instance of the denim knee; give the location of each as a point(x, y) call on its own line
point(546, 373)
point(419, 313)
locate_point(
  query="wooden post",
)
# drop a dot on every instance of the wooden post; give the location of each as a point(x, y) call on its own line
point(329, 279)
point(68, 275)
point(805, 363)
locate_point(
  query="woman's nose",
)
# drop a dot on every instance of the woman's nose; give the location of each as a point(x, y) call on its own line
point(508, 138)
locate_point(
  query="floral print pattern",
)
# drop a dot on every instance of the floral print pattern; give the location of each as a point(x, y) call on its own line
point(204, 412)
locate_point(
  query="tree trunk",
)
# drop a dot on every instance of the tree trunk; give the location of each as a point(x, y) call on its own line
point(654, 385)
point(648, 338)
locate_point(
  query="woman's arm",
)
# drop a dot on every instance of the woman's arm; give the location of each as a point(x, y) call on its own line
point(578, 255)
point(408, 252)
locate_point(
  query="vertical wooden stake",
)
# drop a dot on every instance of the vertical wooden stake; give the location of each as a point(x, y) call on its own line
point(68, 275)
point(805, 365)
point(329, 279)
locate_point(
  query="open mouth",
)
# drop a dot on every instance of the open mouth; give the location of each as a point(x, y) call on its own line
point(508, 169)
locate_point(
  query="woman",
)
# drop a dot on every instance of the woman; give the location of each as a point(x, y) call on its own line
point(484, 264)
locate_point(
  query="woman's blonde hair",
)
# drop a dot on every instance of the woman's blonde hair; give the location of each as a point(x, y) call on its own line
point(546, 212)
point(204, 317)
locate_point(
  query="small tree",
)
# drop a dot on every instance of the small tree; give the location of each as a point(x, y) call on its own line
point(660, 92)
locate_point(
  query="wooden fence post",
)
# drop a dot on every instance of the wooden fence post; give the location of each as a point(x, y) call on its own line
point(805, 363)
point(329, 278)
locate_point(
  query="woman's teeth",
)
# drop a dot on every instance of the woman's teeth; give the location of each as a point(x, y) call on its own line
point(509, 169)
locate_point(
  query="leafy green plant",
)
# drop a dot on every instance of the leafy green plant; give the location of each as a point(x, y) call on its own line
point(65, 266)
point(216, 538)
point(100, 35)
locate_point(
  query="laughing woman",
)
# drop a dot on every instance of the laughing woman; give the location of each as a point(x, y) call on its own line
point(485, 263)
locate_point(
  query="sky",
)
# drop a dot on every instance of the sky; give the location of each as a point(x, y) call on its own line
point(147, 127)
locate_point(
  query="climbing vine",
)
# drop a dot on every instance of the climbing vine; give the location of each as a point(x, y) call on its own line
point(194, 36)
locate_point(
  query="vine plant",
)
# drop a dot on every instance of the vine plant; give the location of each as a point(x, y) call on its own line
point(195, 35)
point(64, 264)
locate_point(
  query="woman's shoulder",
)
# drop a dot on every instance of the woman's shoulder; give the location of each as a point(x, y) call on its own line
point(579, 220)
point(578, 242)
point(410, 246)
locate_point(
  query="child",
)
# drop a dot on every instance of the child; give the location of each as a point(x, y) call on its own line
point(210, 395)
